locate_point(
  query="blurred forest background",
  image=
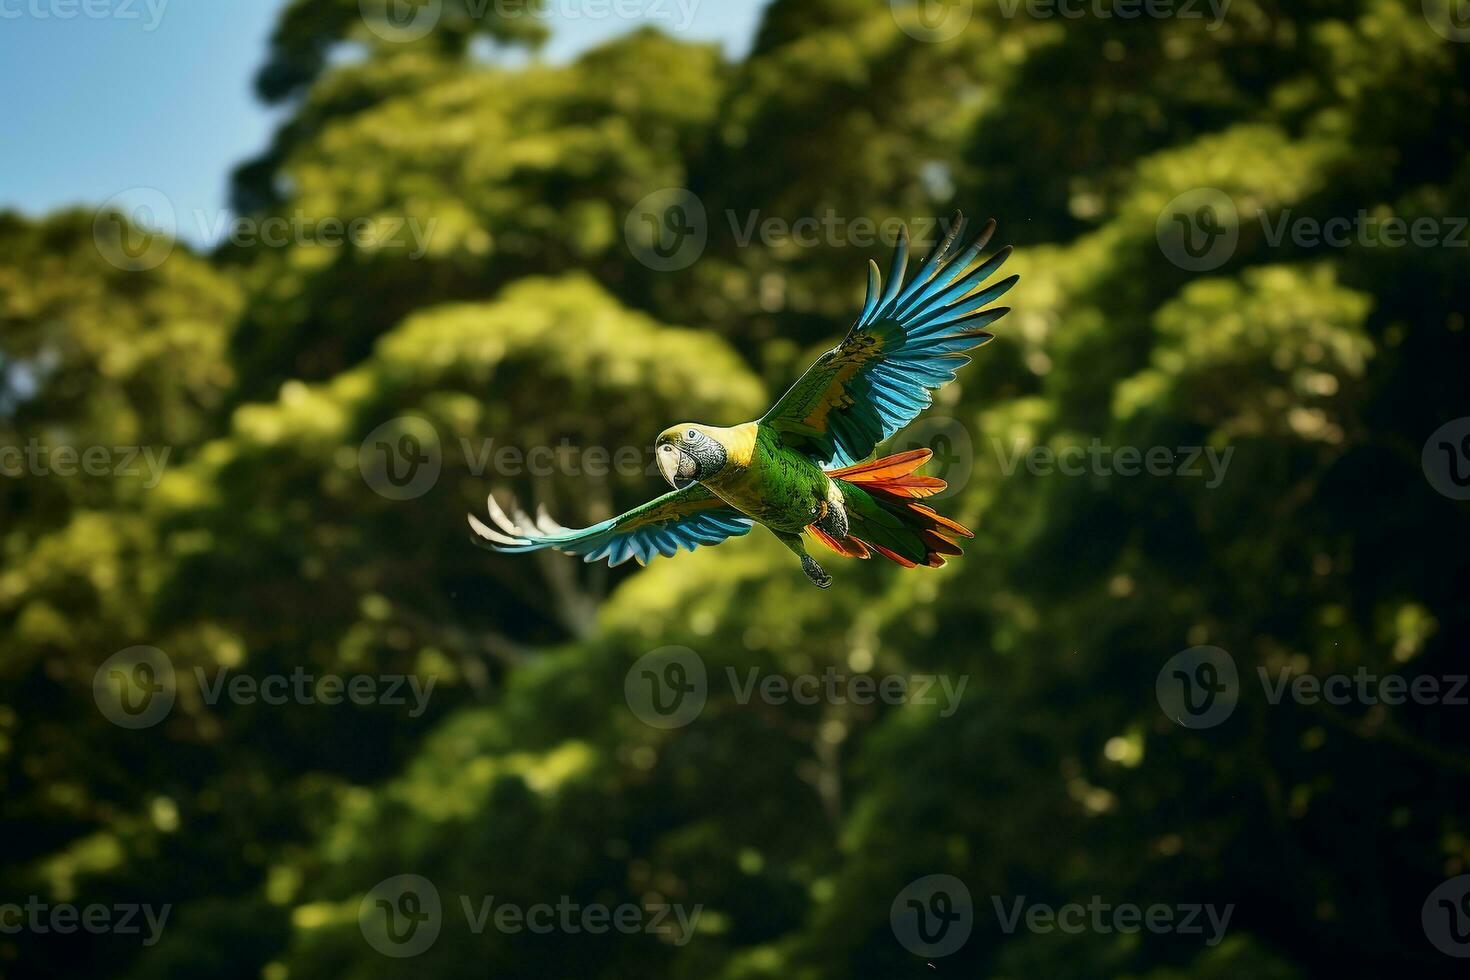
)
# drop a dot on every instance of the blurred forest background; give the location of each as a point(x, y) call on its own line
point(529, 319)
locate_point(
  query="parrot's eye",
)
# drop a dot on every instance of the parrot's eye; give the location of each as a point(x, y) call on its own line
point(691, 435)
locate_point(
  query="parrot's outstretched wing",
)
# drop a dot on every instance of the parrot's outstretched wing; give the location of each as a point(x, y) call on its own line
point(684, 518)
point(908, 341)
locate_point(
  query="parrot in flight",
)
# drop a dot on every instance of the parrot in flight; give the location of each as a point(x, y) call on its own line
point(804, 466)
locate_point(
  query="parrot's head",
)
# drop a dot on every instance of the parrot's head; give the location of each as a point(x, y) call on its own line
point(688, 452)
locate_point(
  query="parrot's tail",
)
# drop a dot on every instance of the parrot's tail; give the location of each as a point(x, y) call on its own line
point(884, 515)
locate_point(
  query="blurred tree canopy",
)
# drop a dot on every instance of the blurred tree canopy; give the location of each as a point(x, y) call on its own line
point(525, 319)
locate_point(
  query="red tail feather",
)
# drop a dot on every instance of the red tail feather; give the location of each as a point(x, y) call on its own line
point(894, 483)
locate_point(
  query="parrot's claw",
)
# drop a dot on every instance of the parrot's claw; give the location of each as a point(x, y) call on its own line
point(832, 521)
point(814, 572)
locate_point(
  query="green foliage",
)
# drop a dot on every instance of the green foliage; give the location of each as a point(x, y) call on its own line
point(531, 173)
point(525, 319)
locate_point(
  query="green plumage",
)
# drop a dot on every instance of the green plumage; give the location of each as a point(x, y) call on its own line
point(880, 523)
point(778, 486)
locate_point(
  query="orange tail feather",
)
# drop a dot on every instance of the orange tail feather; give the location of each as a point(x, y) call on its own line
point(894, 474)
point(894, 483)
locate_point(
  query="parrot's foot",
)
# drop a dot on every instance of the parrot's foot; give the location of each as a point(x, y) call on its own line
point(832, 520)
point(814, 572)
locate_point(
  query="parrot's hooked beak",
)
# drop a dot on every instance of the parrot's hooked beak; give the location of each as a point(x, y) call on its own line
point(677, 466)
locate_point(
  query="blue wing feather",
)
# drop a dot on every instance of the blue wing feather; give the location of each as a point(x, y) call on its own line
point(684, 518)
point(870, 390)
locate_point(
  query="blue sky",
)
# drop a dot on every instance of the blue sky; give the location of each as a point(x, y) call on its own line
point(157, 93)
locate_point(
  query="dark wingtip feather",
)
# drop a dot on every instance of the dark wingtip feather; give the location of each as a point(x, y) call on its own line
point(983, 238)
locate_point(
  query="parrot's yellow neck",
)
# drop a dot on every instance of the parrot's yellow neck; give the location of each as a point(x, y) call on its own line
point(739, 442)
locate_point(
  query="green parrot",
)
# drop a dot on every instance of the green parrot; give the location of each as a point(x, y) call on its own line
point(800, 468)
